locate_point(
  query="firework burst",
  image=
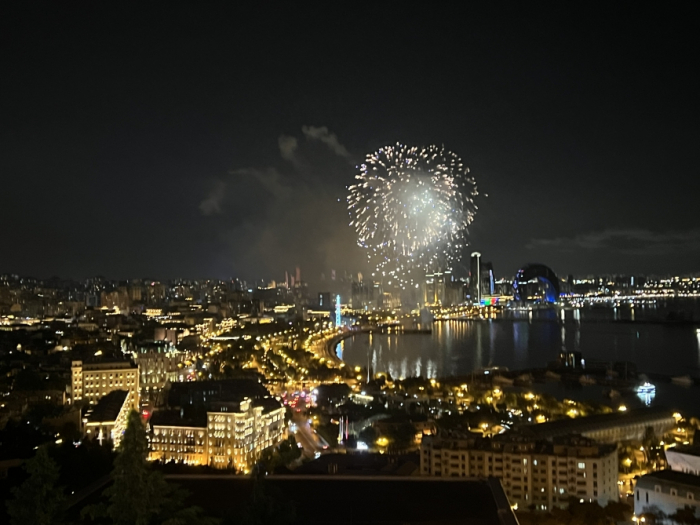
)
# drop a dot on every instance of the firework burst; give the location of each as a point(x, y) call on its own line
point(411, 208)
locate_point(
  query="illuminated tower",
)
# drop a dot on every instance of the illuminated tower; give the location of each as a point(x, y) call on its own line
point(475, 277)
point(337, 310)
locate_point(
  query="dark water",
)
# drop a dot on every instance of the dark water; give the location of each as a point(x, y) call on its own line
point(460, 347)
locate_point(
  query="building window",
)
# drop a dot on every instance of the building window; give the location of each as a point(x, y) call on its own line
point(581, 465)
point(657, 488)
point(691, 496)
point(674, 492)
point(637, 495)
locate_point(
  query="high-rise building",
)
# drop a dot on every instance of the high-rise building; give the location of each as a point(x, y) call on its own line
point(435, 287)
point(366, 295)
point(475, 277)
point(324, 300)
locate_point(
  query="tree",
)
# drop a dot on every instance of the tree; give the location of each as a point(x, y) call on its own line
point(368, 436)
point(401, 436)
point(138, 494)
point(38, 501)
point(686, 515)
point(275, 457)
point(266, 506)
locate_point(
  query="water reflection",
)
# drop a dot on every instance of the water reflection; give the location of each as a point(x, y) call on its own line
point(460, 347)
point(646, 398)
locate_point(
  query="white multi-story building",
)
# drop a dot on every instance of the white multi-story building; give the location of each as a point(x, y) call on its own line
point(227, 434)
point(158, 366)
point(666, 491)
point(107, 419)
point(219, 423)
point(540, 473)
point(92, 381)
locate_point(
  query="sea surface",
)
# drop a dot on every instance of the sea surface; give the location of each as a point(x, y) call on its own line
point(647, 336)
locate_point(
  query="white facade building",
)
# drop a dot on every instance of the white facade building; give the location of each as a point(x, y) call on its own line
point(666, 491)
point(92, 381)
point(536, 473)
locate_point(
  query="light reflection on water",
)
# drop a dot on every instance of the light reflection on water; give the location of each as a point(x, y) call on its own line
point(460, 347)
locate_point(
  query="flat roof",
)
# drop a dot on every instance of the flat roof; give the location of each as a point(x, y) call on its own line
point(669, 476)
point(334, 500)
point(108, 407)
point(193, 392)
point(597, 422)
point(179, 418)
point(690, 450)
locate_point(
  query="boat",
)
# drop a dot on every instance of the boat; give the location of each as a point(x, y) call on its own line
point(682, 380)
point(645, 388)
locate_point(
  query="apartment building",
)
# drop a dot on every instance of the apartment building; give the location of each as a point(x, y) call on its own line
point(92, 381)
point(540, 473)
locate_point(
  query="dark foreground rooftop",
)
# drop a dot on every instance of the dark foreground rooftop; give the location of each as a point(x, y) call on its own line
point(335, 500)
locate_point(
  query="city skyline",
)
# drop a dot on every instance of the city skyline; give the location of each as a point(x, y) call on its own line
point(388, 263)
point(213, 143)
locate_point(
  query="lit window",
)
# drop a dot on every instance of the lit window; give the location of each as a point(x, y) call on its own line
point(581, 465)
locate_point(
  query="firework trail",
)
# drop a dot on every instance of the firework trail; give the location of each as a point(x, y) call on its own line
point(411, 207)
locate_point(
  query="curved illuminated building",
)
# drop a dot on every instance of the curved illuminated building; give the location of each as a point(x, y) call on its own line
point(533, 280)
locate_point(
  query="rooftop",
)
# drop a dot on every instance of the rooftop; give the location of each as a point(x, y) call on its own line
point(365, 464)
point(179, 418)
point(690, 450)
point(108, 408)
point(389, 500)
point(670, 476)
point(513, 441)
point(105, 364)
point(581, 425)
point(203, 392)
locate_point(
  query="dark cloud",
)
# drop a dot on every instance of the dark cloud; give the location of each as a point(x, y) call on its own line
point(288, 145)
point(625, 241)
point(299, 215)
point(328, 138)
point(212, 203)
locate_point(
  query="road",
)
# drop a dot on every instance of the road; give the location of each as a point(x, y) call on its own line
point(311, 442)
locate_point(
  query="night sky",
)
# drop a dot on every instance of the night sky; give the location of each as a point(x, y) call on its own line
point(181, 140)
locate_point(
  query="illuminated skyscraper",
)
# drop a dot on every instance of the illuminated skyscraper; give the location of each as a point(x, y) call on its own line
point(337, 310)
point(475, 277)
